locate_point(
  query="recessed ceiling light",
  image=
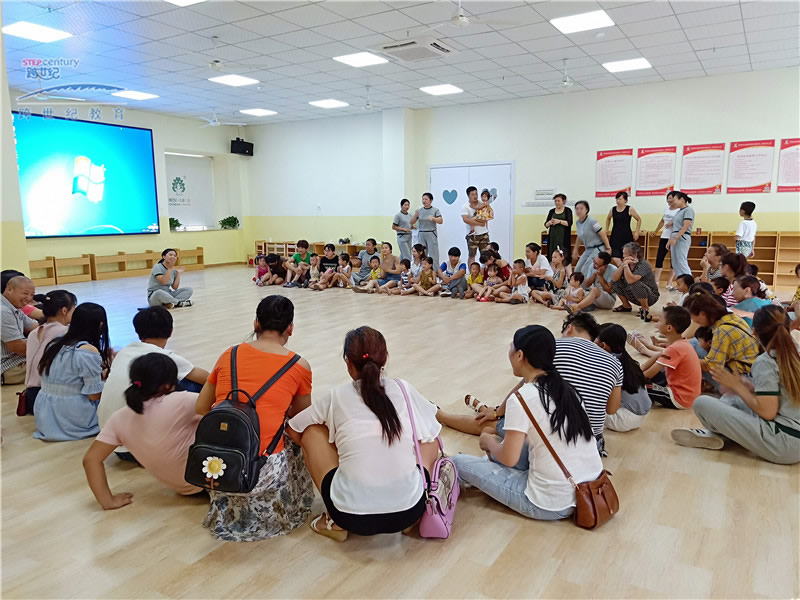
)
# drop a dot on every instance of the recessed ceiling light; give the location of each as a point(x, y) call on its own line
point(618, 66)
point(185, 2)
point(183, 154)
point(582, 22)
point(441, 90)
point(329, 103)
point(134, 95)
point(361, 59)
point(258, 112)
point(37, 33)
point(234, 80)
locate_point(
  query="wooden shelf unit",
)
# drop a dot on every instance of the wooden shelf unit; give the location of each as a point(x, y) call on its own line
point(196, 260)
point(786, 259)
point(43, 272)
point(65, 269)
point(123, 264)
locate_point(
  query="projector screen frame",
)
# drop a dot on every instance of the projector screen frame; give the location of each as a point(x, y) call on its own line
point(155, 179)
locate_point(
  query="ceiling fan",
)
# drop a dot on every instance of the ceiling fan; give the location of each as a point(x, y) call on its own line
point(460, 20)
point(567, 82)
point(215, 122)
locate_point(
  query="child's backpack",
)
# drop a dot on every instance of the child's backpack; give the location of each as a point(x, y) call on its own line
point(225, 455)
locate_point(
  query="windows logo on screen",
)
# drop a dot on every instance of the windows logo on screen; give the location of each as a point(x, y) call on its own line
point(88, 179)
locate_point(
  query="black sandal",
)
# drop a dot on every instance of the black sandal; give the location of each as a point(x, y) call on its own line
point(646, 316)
point(620, 309)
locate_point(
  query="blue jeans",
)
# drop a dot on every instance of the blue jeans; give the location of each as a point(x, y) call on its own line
point(504, 484)
point(184, 385)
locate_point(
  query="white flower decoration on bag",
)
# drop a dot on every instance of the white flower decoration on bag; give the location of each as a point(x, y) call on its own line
point(214, 467)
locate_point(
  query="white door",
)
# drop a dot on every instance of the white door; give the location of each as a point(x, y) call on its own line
point(448, 184)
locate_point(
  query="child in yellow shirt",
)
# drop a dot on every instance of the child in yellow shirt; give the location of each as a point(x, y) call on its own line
point(474, 280)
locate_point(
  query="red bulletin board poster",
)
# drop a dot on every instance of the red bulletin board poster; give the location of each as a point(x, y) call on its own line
point(789, 166)
point(750, 167)
point(614, 172)
point(655, 171)
point(701, 171)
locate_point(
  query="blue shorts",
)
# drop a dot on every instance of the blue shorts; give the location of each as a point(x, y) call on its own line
point(389, 277)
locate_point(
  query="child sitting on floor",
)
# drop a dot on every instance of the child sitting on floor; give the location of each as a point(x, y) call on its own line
point(313, 277)
point(262, 270)
point(634, 401)
point(520, 291)
point(404, 286)
point(492, 283)
point(674, 376)
point(720, 285)
point(753, 270)
point(749, 297)
point(682, 283)
point(474, 280)
point(572, 295)
point(371, 282)
point(343, 272)
point(427, 285)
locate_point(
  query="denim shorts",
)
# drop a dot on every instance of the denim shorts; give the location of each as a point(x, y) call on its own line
point(389, 277)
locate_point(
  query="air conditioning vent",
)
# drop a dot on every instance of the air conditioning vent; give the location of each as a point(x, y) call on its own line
point(415, 49)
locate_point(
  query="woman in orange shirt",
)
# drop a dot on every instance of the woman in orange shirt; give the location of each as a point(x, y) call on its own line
point(281, 500)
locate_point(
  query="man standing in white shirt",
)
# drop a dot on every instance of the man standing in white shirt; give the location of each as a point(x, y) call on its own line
point(477, 229)
point(154, 327)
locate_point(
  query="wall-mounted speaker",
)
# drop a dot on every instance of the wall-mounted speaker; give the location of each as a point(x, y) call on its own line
point(239, 146)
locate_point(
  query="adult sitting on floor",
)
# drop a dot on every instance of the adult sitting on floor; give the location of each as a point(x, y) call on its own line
point(164, 287)
point(154, 327)
point(635, 282)
point(15, 329)
point(599, 291)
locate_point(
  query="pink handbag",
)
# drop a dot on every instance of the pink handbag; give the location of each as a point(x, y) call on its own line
point(441, 493)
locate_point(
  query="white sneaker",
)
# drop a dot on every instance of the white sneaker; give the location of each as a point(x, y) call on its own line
point(697, 438)
point(446, 293)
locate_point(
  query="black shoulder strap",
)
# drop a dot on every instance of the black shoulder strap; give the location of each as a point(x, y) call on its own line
point(234, 378)
point(278, 434)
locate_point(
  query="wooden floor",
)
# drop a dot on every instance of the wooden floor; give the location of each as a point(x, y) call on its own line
point(693, 523)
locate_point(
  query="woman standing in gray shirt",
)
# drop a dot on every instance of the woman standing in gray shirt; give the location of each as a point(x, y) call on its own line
point(402, 225)
point(429, 217)
point(589, 233)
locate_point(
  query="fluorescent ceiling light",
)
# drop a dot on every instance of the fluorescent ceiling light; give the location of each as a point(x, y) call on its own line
point(618, 66)
point(234, 80)
point(37, 33)
point(329, 103)
point(183, 154)
point(361, 59)
point(258, 112)
point(133, 95)
point(582, 22)
point(185, 2)
point(441, 90)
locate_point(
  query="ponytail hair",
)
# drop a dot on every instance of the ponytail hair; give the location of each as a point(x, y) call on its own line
point(748, 281)
point(152, 375)
point(421, 249)
point(771, 327)
point(736, 263)
point(568, 419)
point(365, 349)
point(52, 302)
point(614, 336)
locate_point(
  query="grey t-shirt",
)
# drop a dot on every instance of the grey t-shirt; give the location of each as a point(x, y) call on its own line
point(684, 214)
point(588, 230)
point(365, 258)
point(404, 221)
point(767, 382)
point(609, 273)
point(13, 322)
point(154, 285)
point(638, 403)
point(424, 213)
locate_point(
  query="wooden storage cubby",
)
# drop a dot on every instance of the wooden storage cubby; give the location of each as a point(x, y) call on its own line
point(786, 259)
point(43, 272)
point(191, 260)
point(73, 270)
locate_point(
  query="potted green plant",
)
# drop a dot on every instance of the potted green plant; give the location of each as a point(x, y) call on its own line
point(229, 223)
point(174, 223)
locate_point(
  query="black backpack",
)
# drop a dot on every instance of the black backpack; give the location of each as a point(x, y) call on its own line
point(225, 455)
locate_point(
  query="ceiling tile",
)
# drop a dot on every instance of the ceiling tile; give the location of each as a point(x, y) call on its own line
point(718, 42)
point(658, 39)
point(516, 61)
point(722, 52)
point(353, 10)
point(530, 32)
point(742, 68)
point(268, 25)
point(639, 12)
point(726, 61)
point(387, 21)
point(191, 41)
point(230, 53)
point(302, 38)
point(548, 43)
point(159, 49)
point(101, 14)
point(595, 36)
point(669, 23)
point(225, 10)
point(782, 33)
point(537, 67)
point(343, 30)
point(717, 30)
point(296, 56)
point(772, 21)
point(685, 6)
point(482, 40)
point(760, 8)
point(431, 13)
point(680, 67)
point(671, 59)
point(113, 37)
point(501, 50)
point(565, 8)
point(777, 64)
point(561, 54)
point(311, 15)
point(229, 34)
point(774, 55)
point(152, 30)
point(265, 45)
point(606, 47)
point(774, 45)
point(722, 14)
point(512, 17)
point(684, 75)
point(186, 20)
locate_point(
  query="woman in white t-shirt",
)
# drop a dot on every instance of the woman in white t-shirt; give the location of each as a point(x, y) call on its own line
point(666, 223)
point(527, 479)
point(358, 446)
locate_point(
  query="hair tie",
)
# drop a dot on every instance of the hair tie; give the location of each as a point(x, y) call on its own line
point(137, 383)
point(365, 356)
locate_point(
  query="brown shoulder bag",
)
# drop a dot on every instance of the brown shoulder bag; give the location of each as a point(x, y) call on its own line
point(595, 501)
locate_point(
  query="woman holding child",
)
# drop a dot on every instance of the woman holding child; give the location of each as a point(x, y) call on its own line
point(281, 500)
